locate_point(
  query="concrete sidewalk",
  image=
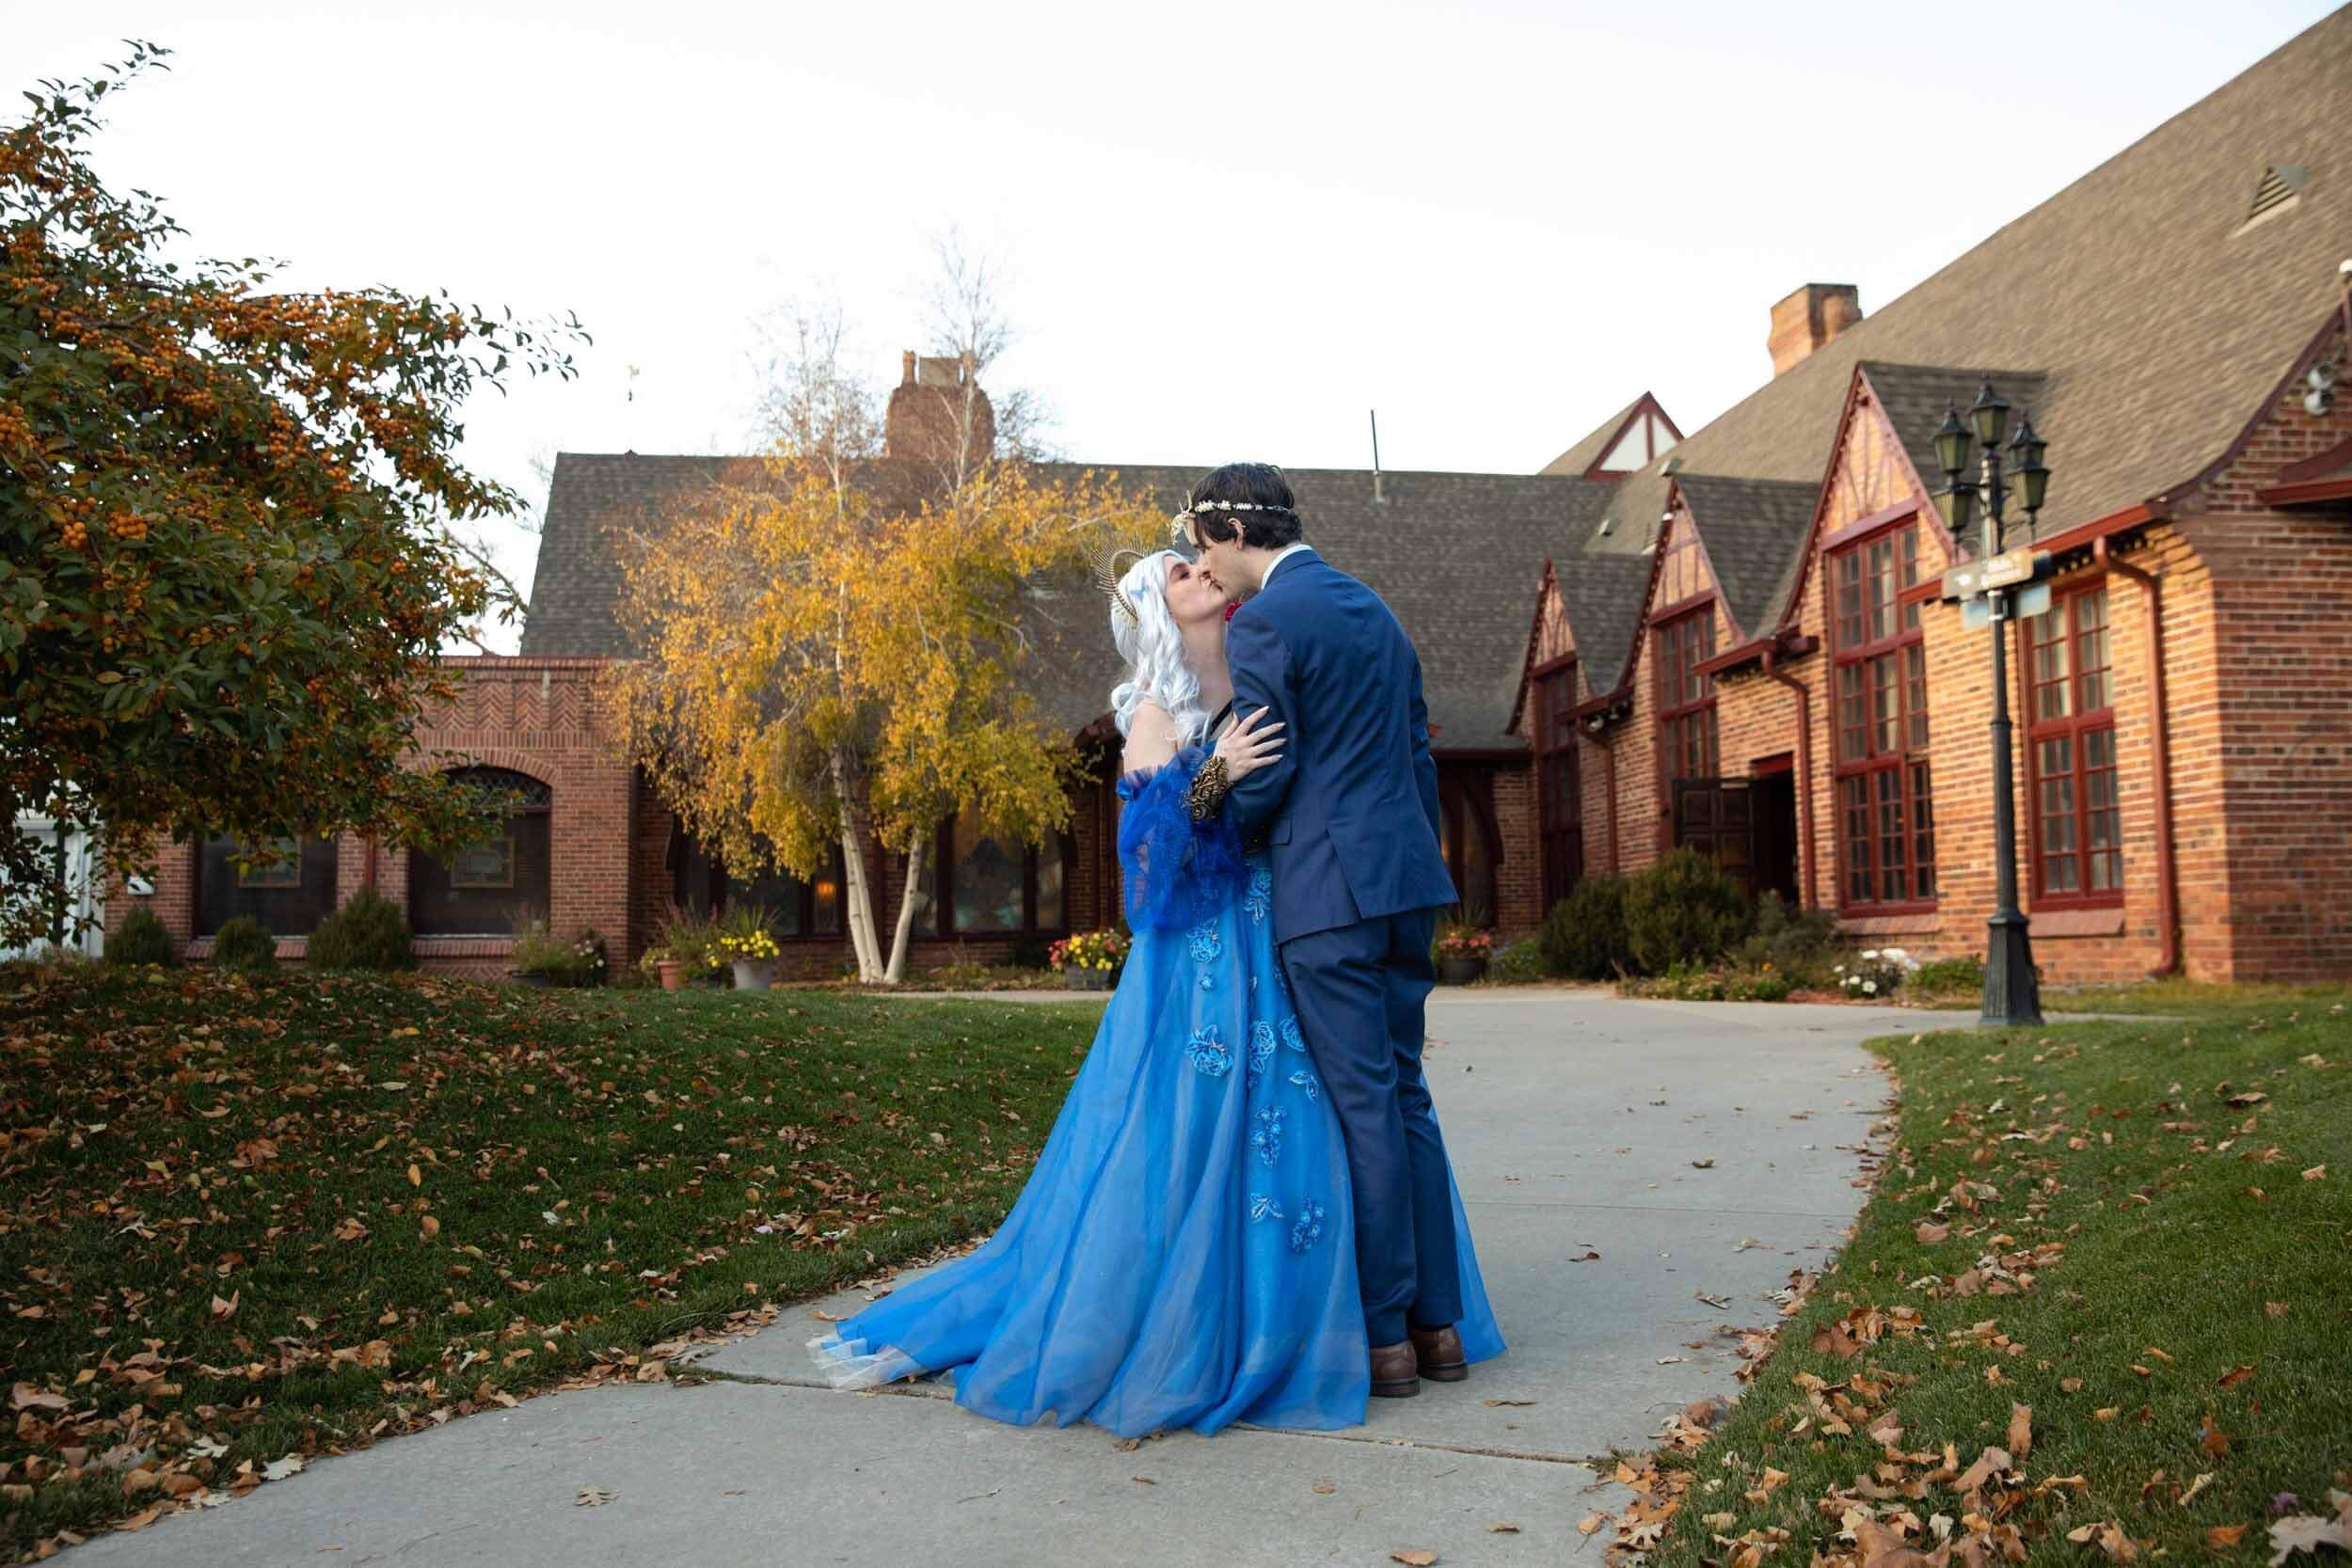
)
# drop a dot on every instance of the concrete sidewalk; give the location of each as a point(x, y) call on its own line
point(1702, 1150)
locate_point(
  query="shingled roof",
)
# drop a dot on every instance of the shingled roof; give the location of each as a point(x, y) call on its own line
point(1753, 531)
point(1445, 549)
point(1586, 452)
point(2157, 313)
point(2162, 319)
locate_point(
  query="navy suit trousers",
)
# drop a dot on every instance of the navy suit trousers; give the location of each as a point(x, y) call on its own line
point(1359, 991)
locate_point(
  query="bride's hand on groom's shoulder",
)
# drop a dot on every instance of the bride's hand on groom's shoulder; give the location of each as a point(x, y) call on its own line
point(1246, 745)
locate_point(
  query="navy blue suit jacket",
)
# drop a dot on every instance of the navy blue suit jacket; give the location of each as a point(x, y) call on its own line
point(1352, 806)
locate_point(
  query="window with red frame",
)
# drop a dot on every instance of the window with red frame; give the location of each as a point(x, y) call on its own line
point(1559, 783)
point(1686, 699)
point(1886, 811)
point(2079, 819)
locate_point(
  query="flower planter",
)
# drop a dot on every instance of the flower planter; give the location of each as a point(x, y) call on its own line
point(1080, 977)
point(1454, 970)
point(754, 975)
point(672, 973)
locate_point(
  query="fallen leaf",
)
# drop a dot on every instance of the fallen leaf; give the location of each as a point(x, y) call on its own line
point(224, 1311)
point(2108, 1537)
point(1143, 1481)
point(1586, 1257)
point(1702, 1165)
point(2308, 1532)
point(2222, 1537)
point(2275, 1308)
point(1415, 1559)
point(1590, 1522)
point(279, 1469)
point(2248, 1097)
point(1323, 1489)
point(2203, 1480)
point(2021, 1430)
point(1503, 1529)
point(1930, 1233)
point(26, 1396)
point(592, 1497)
point(1498, 1403)
point(2234, 1376)
point(2071, 1385)
point(2210, 1438)
point(1712, 1301)
point(415, 1177)
point(2317, 1173)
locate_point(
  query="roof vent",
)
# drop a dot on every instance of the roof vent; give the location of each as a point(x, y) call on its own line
point(2279, 189)
point(1608, 527)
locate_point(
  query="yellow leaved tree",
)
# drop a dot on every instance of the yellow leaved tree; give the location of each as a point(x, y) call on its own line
point(836, 654)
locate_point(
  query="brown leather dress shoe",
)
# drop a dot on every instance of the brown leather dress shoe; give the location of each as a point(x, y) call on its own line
point(1438, 1352)
point(1392, 1372)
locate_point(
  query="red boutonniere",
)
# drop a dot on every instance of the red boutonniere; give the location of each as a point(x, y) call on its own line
point(1231, 608)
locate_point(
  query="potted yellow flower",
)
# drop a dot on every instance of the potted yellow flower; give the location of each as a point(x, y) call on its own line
point(1089, 961)
point(747, 940)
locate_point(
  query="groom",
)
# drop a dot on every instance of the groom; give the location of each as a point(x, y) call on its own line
point(1351, 816)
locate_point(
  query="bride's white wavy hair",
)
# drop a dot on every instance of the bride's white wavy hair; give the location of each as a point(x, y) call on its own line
point(1154, 652)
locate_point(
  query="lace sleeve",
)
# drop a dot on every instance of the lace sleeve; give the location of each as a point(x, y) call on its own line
point(1180, 870)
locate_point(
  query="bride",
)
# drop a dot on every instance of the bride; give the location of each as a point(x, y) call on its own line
point(1183, 1253)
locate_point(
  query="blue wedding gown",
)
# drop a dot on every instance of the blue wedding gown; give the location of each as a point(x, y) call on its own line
point(1183, 1253)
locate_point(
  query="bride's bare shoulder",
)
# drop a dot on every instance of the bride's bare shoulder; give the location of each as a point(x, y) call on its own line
point(1150, 738)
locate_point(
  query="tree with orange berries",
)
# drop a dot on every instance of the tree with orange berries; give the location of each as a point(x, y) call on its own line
point(226, 560)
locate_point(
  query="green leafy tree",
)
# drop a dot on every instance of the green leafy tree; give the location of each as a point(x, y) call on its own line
point(226, 559)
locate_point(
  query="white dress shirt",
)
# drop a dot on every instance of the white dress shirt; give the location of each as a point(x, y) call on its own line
point(1295, 548)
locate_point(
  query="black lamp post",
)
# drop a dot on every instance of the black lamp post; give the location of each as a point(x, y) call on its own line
point(2013, 996)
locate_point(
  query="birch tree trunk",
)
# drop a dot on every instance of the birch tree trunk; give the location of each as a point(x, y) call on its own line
point(855, 889)
point(903, 938)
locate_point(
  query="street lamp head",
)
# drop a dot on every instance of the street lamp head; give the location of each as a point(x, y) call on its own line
point(1952, 445)
point(2033, 479)
point(1990, 415)
point(1957, 502)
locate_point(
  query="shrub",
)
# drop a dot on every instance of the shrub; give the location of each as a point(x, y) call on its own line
point(370, 932)
point(1682, 911)
point(1104, 950)
point(243, 945)
point(1583, 936)
point(1960, 977)
point(1691, 983)
point(1800, 944)
point(689, 937)
point(1519, 964)
point(142, 941)
point(578, 962)
point(1877, 973)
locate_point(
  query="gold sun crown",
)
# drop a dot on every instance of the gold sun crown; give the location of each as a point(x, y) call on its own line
point(1108, 571)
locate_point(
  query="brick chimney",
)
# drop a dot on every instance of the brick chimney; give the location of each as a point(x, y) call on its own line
point(1810, 318)
point(936, 408)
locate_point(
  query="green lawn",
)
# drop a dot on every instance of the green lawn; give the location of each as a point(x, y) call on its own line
point(2141, 1231)
point(244, 1221)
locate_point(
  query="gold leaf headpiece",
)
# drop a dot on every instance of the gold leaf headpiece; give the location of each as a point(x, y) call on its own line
point(1108, 572)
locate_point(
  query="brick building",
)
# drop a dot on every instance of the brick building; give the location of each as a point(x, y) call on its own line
point(1738, 639)
point(1796, 696)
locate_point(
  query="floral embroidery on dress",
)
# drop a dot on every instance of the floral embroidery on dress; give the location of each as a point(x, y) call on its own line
point(1260, 898)
point(1205, 943)
point(1308, 1229)
point(1261, 1049)
point(1308, 1082)
point(1291, 1037)
point(1262, 1207)
point(1211, 1056)
point(1267, 1138)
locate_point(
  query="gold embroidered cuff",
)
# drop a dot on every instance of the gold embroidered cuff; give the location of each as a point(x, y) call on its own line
point(1209, 788)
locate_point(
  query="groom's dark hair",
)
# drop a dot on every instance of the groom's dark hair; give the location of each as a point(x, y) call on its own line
point(1261, 485)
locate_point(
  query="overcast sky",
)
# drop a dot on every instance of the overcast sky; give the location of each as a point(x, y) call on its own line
point(1228, 230)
